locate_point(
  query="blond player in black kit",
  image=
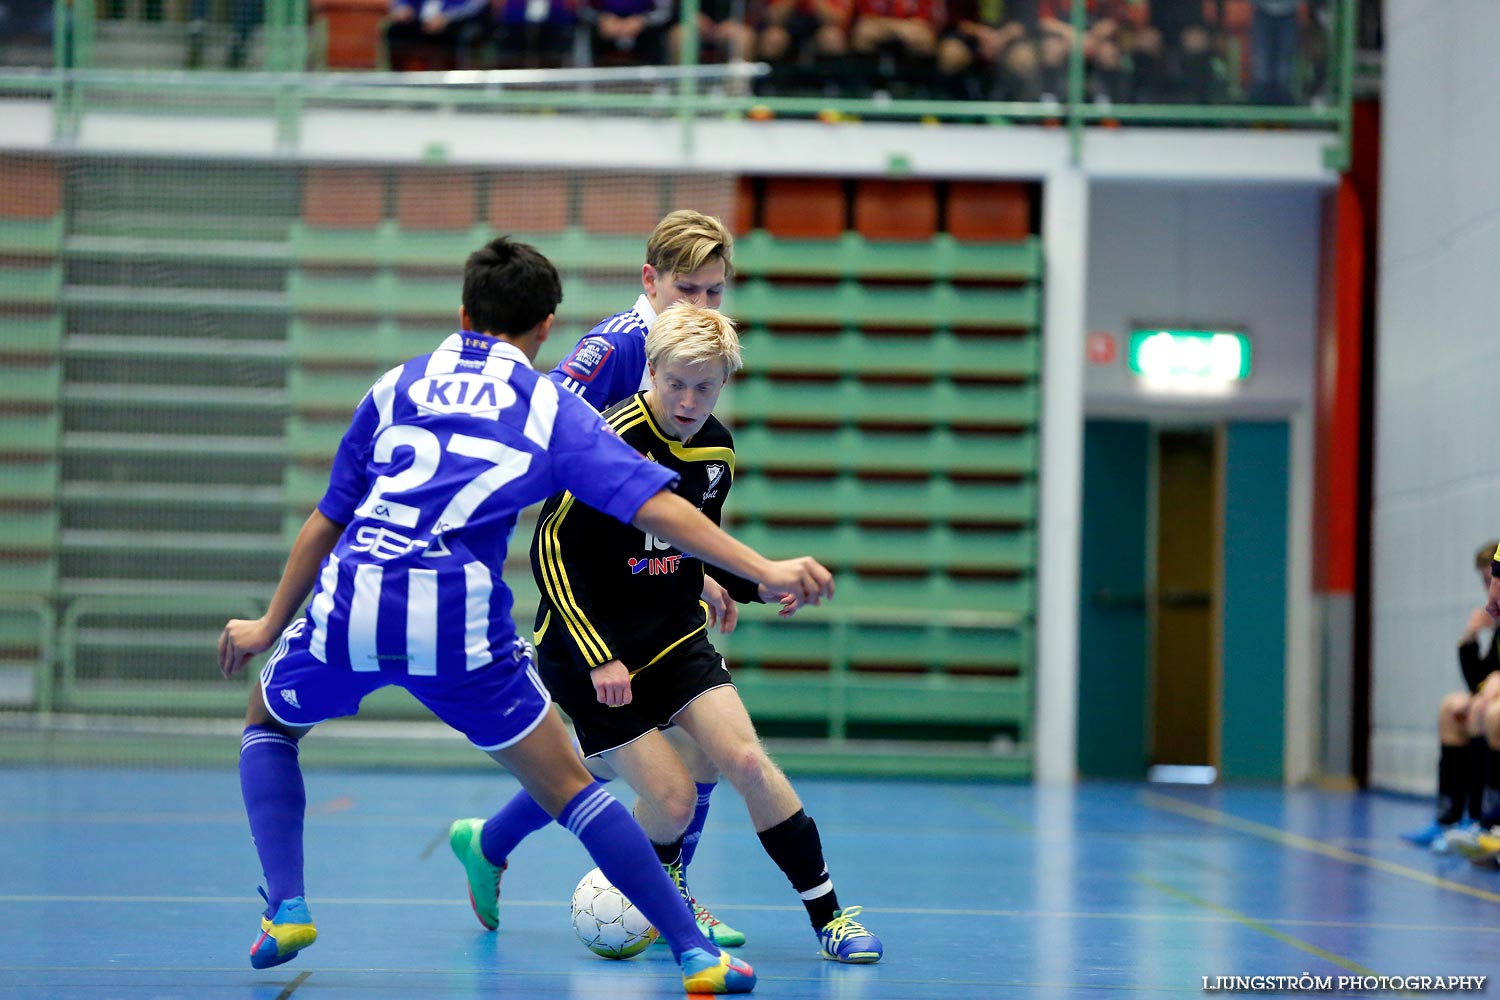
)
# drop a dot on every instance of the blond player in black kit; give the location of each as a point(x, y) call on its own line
point(623, 645)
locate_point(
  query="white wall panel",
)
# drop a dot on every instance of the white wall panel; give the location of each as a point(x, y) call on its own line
point(1437, 467)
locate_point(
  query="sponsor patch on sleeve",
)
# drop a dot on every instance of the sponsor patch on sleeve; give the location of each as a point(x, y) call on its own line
point(587, 358)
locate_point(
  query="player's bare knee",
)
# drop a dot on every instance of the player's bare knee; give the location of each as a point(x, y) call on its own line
point(674, 806)
point(747, 767)
point(1451, 711)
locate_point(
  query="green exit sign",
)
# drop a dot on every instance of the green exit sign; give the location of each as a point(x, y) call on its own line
point(1190, 355)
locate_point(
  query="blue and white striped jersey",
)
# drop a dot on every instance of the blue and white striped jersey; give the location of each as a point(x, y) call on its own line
point(441, 455)
point(609, 362)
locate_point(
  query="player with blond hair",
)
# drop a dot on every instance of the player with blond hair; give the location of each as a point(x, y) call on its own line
point(404, 560)
point(689, 258)
point(623, 646)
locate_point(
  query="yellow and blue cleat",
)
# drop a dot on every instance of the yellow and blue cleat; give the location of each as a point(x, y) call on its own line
point(705, 972)
point(844, 939)
point(484, 877)
point(283, 934)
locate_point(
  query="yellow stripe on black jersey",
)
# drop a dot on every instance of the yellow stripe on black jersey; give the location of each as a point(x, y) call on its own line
point(619, 593)
point(560, 592)
point(555, 574)
point(685, 452)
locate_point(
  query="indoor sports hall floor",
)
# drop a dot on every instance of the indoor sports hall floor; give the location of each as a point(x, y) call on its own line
point(133, 884)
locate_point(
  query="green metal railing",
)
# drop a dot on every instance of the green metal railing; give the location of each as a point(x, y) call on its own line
point(282, 90)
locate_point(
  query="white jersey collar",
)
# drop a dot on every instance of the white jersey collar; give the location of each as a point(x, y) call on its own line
point(645, 312)
point(499, 348)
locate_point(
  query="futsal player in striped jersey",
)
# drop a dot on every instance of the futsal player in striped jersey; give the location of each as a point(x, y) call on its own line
point(623, 647)
point(689, 258)
point(403, 559)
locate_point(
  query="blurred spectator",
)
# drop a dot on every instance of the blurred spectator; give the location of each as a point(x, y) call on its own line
point(437, 35)
point(1369, 31)
point(724, 33)
point(26, 32)
point(628, 32)
point(1274, 32)
point(1105, 78)
point(1317, 41)
point(986, 45)
point(806, 43)
point(244, 15)
point(896, 42)
point(534, 34)
point(1173, 55)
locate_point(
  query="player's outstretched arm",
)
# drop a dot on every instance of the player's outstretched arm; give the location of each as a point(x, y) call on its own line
point(666, 515)
point(241, 639)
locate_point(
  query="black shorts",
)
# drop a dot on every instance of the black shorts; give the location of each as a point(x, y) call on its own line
point(657, 693)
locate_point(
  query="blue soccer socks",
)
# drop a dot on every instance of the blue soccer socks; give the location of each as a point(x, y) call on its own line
point(624, 855)
point(517, 819)
point(275, 801)
point(694, 829)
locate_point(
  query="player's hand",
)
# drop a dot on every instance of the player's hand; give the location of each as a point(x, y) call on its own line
point(722, 611)
point(789, 603)
point(611, 683)
point(1479, 619)
point(804, 578)
point(1493, 607)
point(241, 641)
point(434, 24)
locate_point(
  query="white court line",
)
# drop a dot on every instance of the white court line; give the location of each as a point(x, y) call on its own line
point(908, 911)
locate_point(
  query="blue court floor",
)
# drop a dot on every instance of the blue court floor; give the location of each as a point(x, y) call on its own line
point(132, 884)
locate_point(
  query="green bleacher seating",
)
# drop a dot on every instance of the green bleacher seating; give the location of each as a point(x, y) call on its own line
point(934, 499)
point(867, 403)
point(886, 420)
point(939, 352)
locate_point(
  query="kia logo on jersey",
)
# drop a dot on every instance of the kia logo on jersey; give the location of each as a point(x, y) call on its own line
point(472, 393)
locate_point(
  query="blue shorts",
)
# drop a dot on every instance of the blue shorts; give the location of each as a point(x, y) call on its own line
point(495, 706)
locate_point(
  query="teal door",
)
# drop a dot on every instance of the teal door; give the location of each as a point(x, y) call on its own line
point(1176, 665)
point(1113, 677)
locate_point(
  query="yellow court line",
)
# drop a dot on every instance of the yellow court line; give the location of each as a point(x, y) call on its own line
point(1257, 926)
point(973, 801)
point(1301, 843)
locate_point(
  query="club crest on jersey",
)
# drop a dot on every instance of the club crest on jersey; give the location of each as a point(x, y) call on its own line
point(473, 393)
point(587, 358)
point(715, 472)
point(657, 565)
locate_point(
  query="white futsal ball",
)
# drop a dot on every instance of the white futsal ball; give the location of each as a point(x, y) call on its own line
point(606, 922)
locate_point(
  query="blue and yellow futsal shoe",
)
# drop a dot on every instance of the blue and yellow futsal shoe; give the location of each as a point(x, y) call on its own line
point(844, 939)
point(705, 972)
point(1461, 839)
point(484, 877)
point(283, 934)
point(1434, 835)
